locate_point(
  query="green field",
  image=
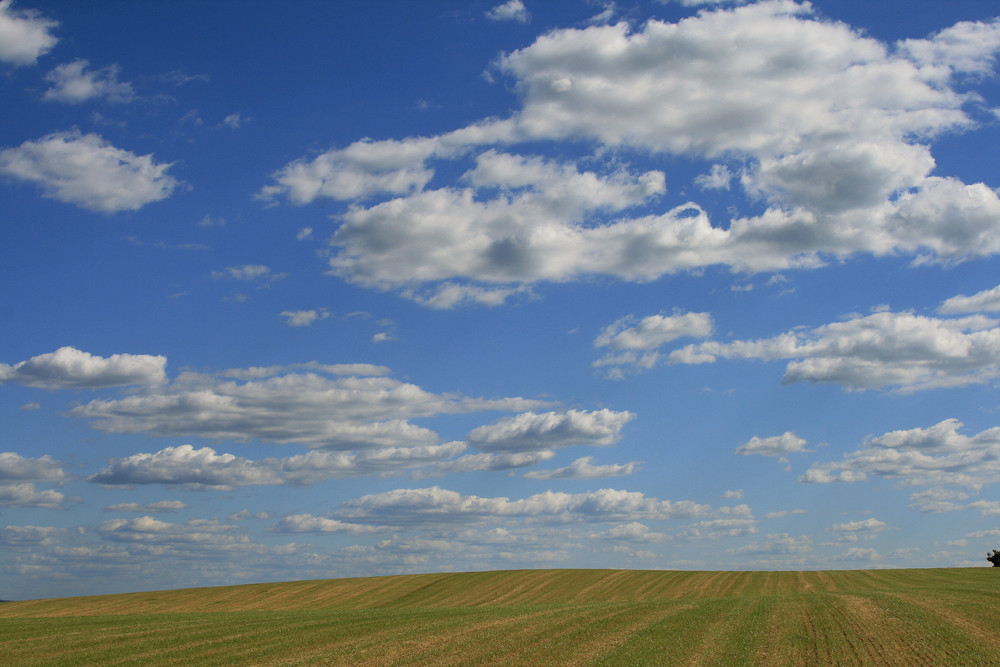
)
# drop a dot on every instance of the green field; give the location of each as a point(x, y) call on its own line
point(530, 617)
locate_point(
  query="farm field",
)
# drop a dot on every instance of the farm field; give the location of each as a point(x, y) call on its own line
point(537, 617)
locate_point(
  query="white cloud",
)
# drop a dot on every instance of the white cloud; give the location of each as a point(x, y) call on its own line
point(934, 456)
point(24, 34)
point(434, 505)
point(359, 171)
point(903, 350)
point(85, 170)
point(277, 406)
point(307, 523)
point(249, 273)
point(864, 526)
point(968, 47)
point(531, 431)
point(43, 469)
point(860, 554)
point(234, 121)
point(733, 494)
point(715, 529)
point(303, 318)
point(632, 532)
point(490, 462)
point(830, 127)
point(25, 495)
point(530, 231)
point(17, 477)
point(33, 536)
point(512, 10)
point(987, 301)
point(778, 544)
point(147, 508)
point(70, 368)
point(778, 445)
point(635, 342)
point(719, 178)
point(583, 468)
point(192, 533)
point(780, 514)
point(72, 83)
point(205, 468)
point(258, 372)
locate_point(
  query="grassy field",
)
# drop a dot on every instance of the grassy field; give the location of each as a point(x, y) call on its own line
point(530, 617)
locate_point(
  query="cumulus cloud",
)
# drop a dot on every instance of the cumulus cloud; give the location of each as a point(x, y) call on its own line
point(935, 456)
point(205, 468)
point(18, 475)
point(778, 544)
point(433, 505)
point(33, 536)
point(830, 128)
point(584, 468)
point(861, 554)
point(307, 523)
point(635, 343)
point(24, 34)
point(192, 533)
point(987, 301)
point(531, 431)
point(303, 318)
point(87, 171)
point(25, 495)
point(277, 406)
point(869, 525)
point(73, 83)
point(148, 508)
point(903, 351)
point(13, 467)
point(512, 10)
point(490, 462)
point(968, 47)
point(778, 445)
point(70, 368)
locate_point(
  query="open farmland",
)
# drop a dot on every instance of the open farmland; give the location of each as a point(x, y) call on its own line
point(581, 617)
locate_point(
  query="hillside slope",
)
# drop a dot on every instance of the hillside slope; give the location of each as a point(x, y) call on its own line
point(538, 617)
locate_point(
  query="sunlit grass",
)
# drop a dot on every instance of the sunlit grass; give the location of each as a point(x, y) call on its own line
point(538, 617)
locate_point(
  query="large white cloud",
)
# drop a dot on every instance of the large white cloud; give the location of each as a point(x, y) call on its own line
point(85, 170)
point(70, 368)
point(24, 34)
point(275, 405)
point(904, 351)
point(831, 128)
point(934, 456)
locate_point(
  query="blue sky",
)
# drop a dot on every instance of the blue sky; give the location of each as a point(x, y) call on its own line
point(313, 289)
